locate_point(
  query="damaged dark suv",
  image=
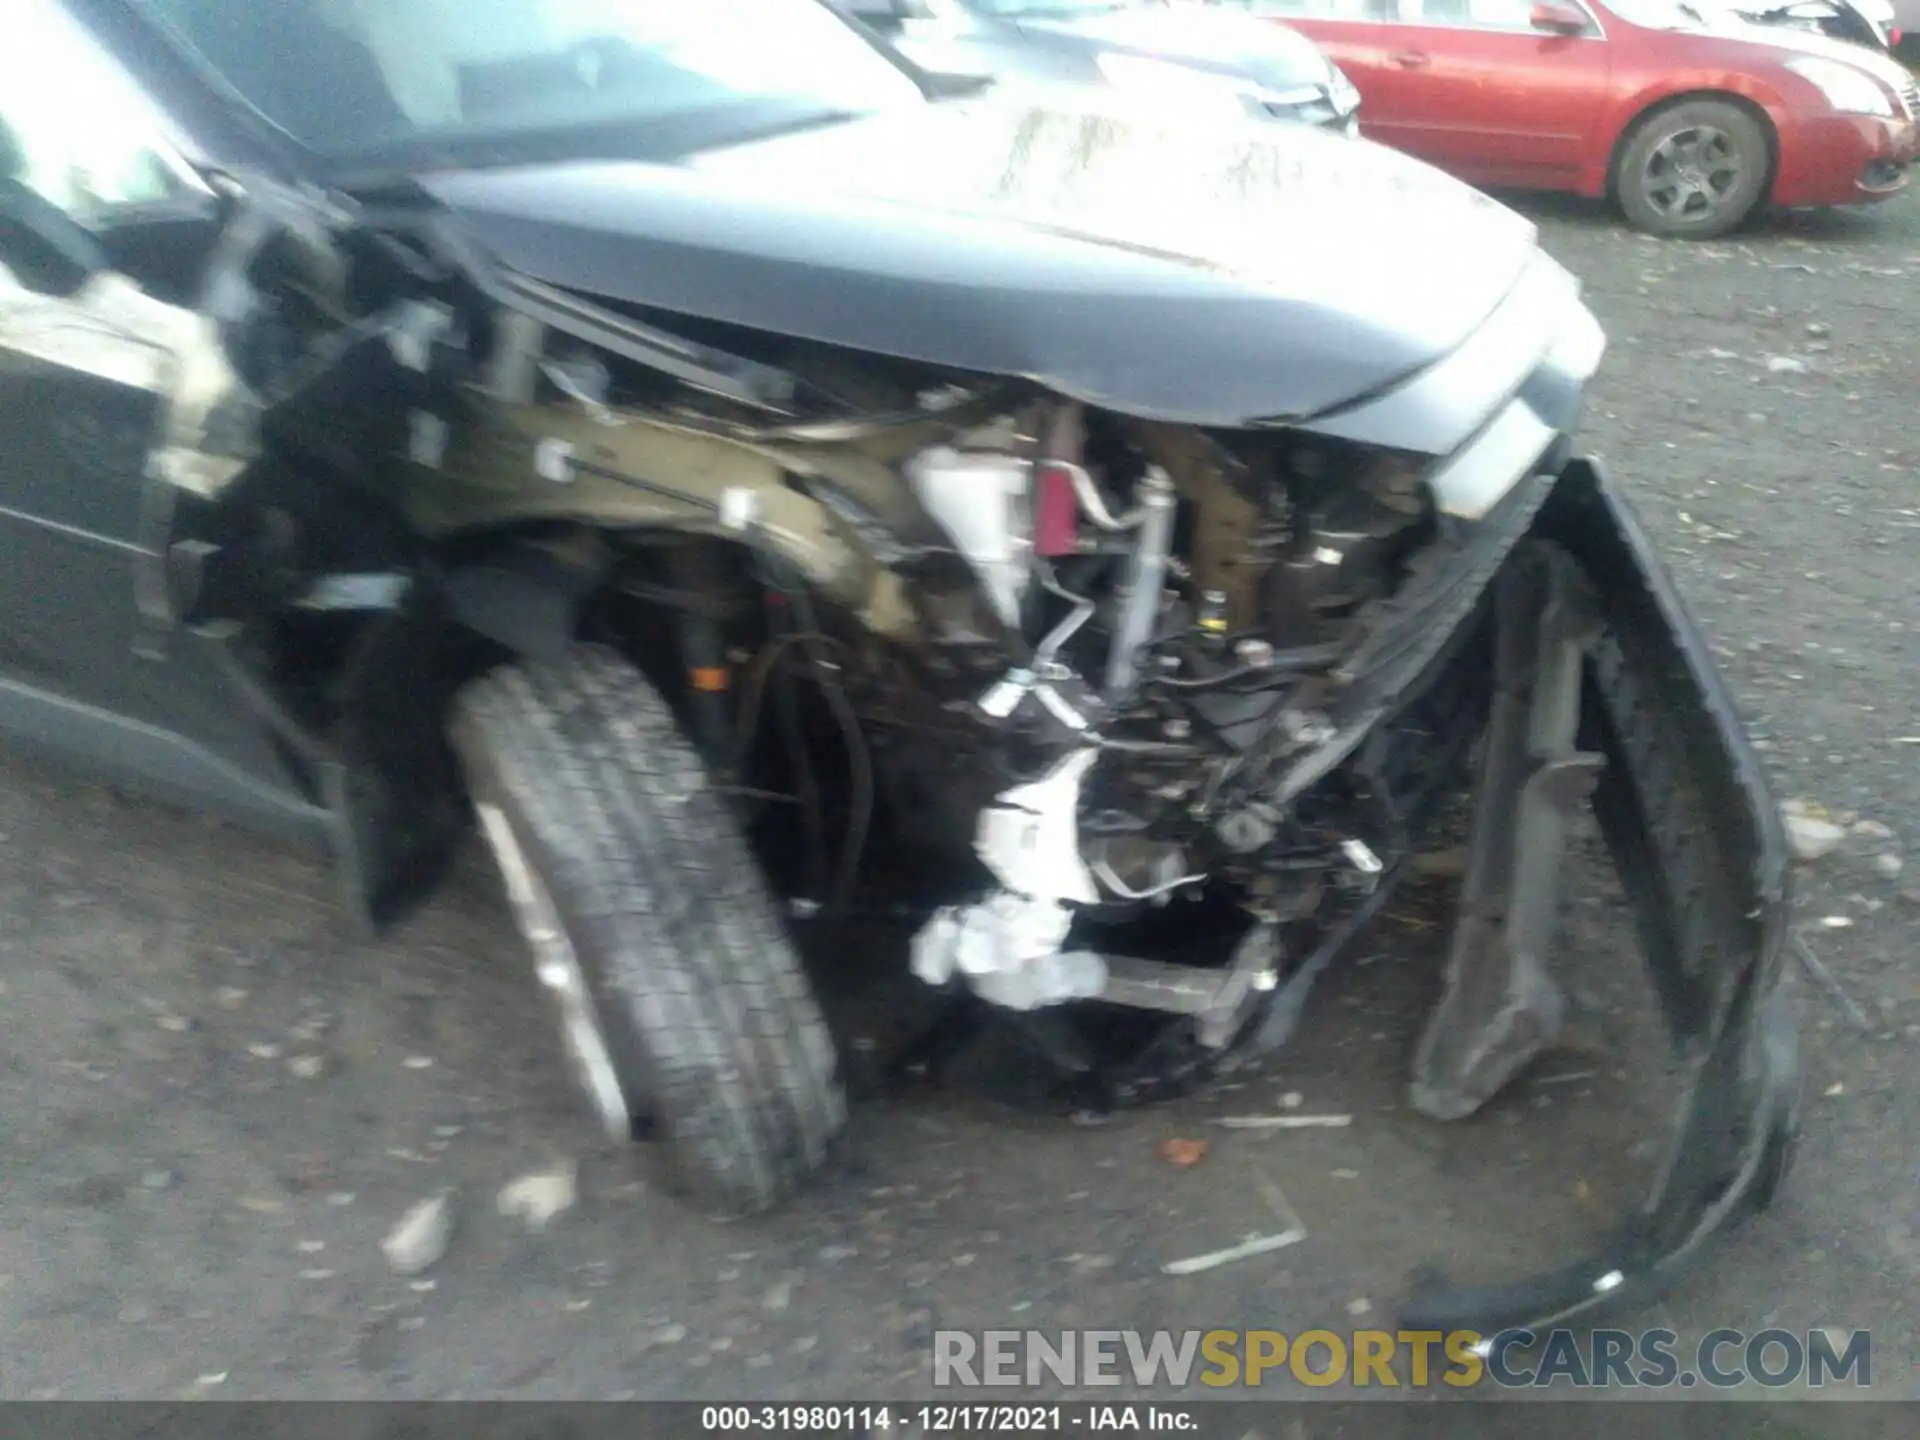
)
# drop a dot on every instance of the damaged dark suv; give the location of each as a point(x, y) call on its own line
point(757, 485)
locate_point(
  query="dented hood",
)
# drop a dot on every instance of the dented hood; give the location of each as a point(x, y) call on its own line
point(1202, 271)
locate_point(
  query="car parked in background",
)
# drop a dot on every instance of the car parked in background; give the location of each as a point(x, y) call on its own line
point(1687, 117)
point(1185, 55)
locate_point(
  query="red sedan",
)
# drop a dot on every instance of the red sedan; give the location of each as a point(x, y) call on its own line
point(1687, 118)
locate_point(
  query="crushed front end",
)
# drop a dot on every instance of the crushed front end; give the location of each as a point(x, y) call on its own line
point(1157, 513)
point(1097, 665)
point(1258, 662)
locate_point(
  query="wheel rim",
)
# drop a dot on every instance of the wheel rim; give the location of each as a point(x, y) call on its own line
point(1692, 175)
point(558, 967)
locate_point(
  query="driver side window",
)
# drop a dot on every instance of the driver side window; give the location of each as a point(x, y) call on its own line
point(74, 131)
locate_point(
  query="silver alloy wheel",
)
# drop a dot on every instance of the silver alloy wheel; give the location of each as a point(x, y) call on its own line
point(1692, 174)
point(558, 967)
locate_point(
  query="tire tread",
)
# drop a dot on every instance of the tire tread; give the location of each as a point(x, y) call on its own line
point(681, 938)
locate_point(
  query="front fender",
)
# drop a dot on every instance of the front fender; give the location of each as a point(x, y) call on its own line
point(523, 594)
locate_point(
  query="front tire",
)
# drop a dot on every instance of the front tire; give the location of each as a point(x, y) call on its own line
point(683, 1003)
point(1693, 171)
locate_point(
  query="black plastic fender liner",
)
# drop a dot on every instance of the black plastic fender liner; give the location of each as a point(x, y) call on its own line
point(523, 596)
point(1703, 858)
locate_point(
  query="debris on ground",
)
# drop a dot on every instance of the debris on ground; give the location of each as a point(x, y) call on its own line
point(1253, 1245)
point(1183, 1152)
point(1566, 1077)
point(539, 1196)
point(1785, 365)
point(1889, 865)
point(1810, 834)
point(421, 1237)
point(1246, 1250)
point(1282, 1122)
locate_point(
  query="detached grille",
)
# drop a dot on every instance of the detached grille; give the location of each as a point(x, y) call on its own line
point(1910, 96)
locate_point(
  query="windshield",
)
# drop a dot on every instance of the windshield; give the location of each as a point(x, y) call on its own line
point(352, 76)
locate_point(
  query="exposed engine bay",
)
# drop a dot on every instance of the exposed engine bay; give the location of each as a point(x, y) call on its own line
point(1080, 668)
point(1101, 664)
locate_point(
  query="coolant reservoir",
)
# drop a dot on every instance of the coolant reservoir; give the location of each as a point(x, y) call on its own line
point(981, 500)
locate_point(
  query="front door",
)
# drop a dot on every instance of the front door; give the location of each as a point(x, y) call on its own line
point(89, 360)
point(1484, 94)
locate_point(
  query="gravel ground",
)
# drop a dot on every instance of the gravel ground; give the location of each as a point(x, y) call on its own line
point(215, 1106)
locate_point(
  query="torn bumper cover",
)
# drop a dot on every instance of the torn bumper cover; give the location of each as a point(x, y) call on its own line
point(1703, 859)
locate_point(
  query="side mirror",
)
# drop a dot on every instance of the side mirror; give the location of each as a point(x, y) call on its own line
point(1558, 17)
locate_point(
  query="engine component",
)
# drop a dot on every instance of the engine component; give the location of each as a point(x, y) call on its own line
point(1007, 948)
point(1056, 505)
point(1220, 1001)
point(1233, 516)
point(1030, 837)
point(982, 502)
point(1146, 575)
